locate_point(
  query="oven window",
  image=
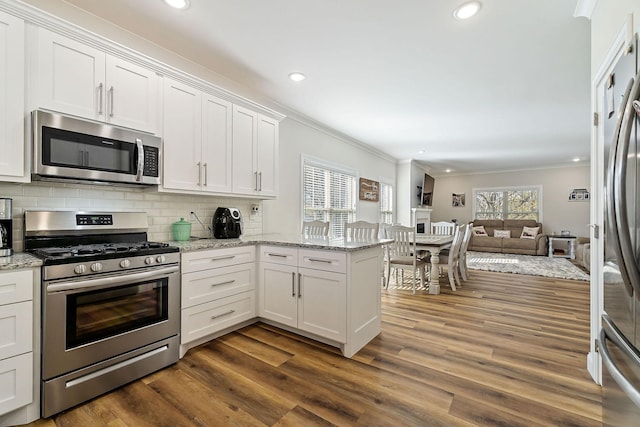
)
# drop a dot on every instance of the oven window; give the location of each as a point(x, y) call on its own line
point(107, 312)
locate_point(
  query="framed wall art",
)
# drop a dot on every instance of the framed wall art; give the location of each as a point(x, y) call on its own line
point(457, 200)
point(369, 190)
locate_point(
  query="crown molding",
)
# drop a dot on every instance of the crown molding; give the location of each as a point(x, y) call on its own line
point(585, 8)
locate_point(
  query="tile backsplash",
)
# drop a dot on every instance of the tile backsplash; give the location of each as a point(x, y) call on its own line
point(163, 209)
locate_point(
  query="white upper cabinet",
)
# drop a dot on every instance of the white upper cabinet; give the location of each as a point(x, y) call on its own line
point(12, 146)
point(255, 153)
point(197, 140)
point(77, 79)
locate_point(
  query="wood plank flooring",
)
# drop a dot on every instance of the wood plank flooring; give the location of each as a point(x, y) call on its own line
point(504, 350)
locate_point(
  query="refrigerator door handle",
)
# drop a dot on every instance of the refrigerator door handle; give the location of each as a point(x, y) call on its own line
point(626, 256)
point(609, 331)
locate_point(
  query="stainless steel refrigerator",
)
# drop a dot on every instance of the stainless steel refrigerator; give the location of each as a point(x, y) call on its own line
point(619, 340)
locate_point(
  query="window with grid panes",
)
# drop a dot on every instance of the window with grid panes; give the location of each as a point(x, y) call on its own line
point(507, 203)
point(386, 203)
point(329, 195)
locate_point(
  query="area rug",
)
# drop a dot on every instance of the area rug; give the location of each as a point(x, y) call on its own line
point(560, 268)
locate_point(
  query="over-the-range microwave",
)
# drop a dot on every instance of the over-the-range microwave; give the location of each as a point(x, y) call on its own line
point(69, 148)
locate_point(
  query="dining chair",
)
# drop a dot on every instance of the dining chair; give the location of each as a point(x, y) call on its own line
point(462, 257)
point(402, 254)
point(361, 231)
point(443, 228)
point(315, 229)
point(452, 259)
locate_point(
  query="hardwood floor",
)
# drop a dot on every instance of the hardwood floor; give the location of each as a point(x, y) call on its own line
point(504, 350)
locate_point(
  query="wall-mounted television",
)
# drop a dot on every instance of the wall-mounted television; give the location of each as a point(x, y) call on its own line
point(427, 190)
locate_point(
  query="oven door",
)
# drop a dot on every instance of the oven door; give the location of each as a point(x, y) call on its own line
point(87, 321)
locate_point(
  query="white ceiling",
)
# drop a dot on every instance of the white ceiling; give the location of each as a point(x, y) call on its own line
point(505, 90)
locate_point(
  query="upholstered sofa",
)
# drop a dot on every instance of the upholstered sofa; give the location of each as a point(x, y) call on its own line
point(513, 244)
point(583, 252)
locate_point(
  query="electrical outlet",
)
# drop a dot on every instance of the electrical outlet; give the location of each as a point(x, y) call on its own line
point(255, 209)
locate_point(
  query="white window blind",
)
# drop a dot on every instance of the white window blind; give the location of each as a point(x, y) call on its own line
point(386, 203)
point(508, 203)
point(329, 195)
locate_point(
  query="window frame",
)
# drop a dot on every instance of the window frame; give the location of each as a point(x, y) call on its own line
point(333, 167)
point(391, 212)
point(538, 188)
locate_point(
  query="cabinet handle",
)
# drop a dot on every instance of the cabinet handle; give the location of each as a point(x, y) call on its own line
point(199, 173)
point(326, 261)
point(256, 180)
point(293, 284)
point(260, 180)
point(276, 255)
point(226, 313)
point(100, 98)
point(299, 285)
point(222, 257)
point(222, 283)
point(111, 106)
point(205, 174)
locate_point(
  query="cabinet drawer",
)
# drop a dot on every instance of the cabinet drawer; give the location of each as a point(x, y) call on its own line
point(16, 286)
point(209, 285)
point(16, 382)
point(279, 255)
point(323, 260)
point(205, 319)
point(214, 258)
point(16, 324)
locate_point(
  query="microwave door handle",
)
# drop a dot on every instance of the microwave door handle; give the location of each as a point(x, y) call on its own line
point(140, 166)
point(628, 268)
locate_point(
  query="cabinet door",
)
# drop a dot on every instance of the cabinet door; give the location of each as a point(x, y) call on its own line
point(16, 324)
point(322, 306)
point(278, 293)
point(182, 134)
point(131, 95)
point(16, 382)
point(245, 175)
point(268, 156)
point(216, 144)
point(70, 76)
point(11, 98)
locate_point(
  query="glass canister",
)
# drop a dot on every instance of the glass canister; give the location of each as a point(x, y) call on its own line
point(181, 230)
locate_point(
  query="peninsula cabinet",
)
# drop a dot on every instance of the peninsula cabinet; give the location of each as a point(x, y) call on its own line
point(12, 145)
point(332, 296)
point(255, 153)
point(73, 78)
point(218, 293)
point(197, 140)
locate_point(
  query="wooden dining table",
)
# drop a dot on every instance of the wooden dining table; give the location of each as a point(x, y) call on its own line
point(433, 243)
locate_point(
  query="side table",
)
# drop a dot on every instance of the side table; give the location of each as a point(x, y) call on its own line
point(571, 246)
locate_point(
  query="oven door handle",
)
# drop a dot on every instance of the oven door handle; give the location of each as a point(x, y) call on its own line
point(111, 281)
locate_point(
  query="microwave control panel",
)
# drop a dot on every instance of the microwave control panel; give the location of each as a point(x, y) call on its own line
point(151, 161)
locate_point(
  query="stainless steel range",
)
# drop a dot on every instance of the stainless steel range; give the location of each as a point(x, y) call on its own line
point(110, 302)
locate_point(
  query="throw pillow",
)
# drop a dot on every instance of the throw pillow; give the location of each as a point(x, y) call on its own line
point(502, 233)
point(479, 231)
point(529, 232)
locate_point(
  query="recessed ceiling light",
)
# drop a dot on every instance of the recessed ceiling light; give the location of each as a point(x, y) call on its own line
point(178, 4)
point(297, 76)
point(421, 152)
point(448, 170)
point(466, 10)
point(576, 159)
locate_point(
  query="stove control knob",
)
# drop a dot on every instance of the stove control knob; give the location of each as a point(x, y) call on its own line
point(161, 259)
point(79, 269)
point(148, 260)
point(96, 266)
point(125, 263)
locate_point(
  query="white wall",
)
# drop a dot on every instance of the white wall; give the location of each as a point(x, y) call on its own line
point(558, 213)
point(284, 215)
point(609, 16)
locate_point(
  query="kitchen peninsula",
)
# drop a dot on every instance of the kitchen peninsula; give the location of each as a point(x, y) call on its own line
point(324, 289)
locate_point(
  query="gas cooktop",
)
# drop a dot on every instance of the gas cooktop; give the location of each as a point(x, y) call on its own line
point(63, 254)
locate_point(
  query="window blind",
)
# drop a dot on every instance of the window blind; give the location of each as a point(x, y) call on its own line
point(386, 203)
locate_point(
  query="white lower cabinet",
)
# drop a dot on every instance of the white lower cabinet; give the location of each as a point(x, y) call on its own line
point(309, 299)
point(218, 293)
point(17, 368)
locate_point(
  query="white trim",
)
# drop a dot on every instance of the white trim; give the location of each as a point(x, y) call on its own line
point(585, 8)
point(391, 183)
point(594, 362)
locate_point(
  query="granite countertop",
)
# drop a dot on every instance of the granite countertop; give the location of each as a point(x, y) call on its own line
point(19, 260)
point(294, 240)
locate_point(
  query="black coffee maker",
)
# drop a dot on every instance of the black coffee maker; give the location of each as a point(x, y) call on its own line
point(227, 223)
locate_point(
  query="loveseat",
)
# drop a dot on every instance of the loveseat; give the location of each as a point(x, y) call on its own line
point(532, 243)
